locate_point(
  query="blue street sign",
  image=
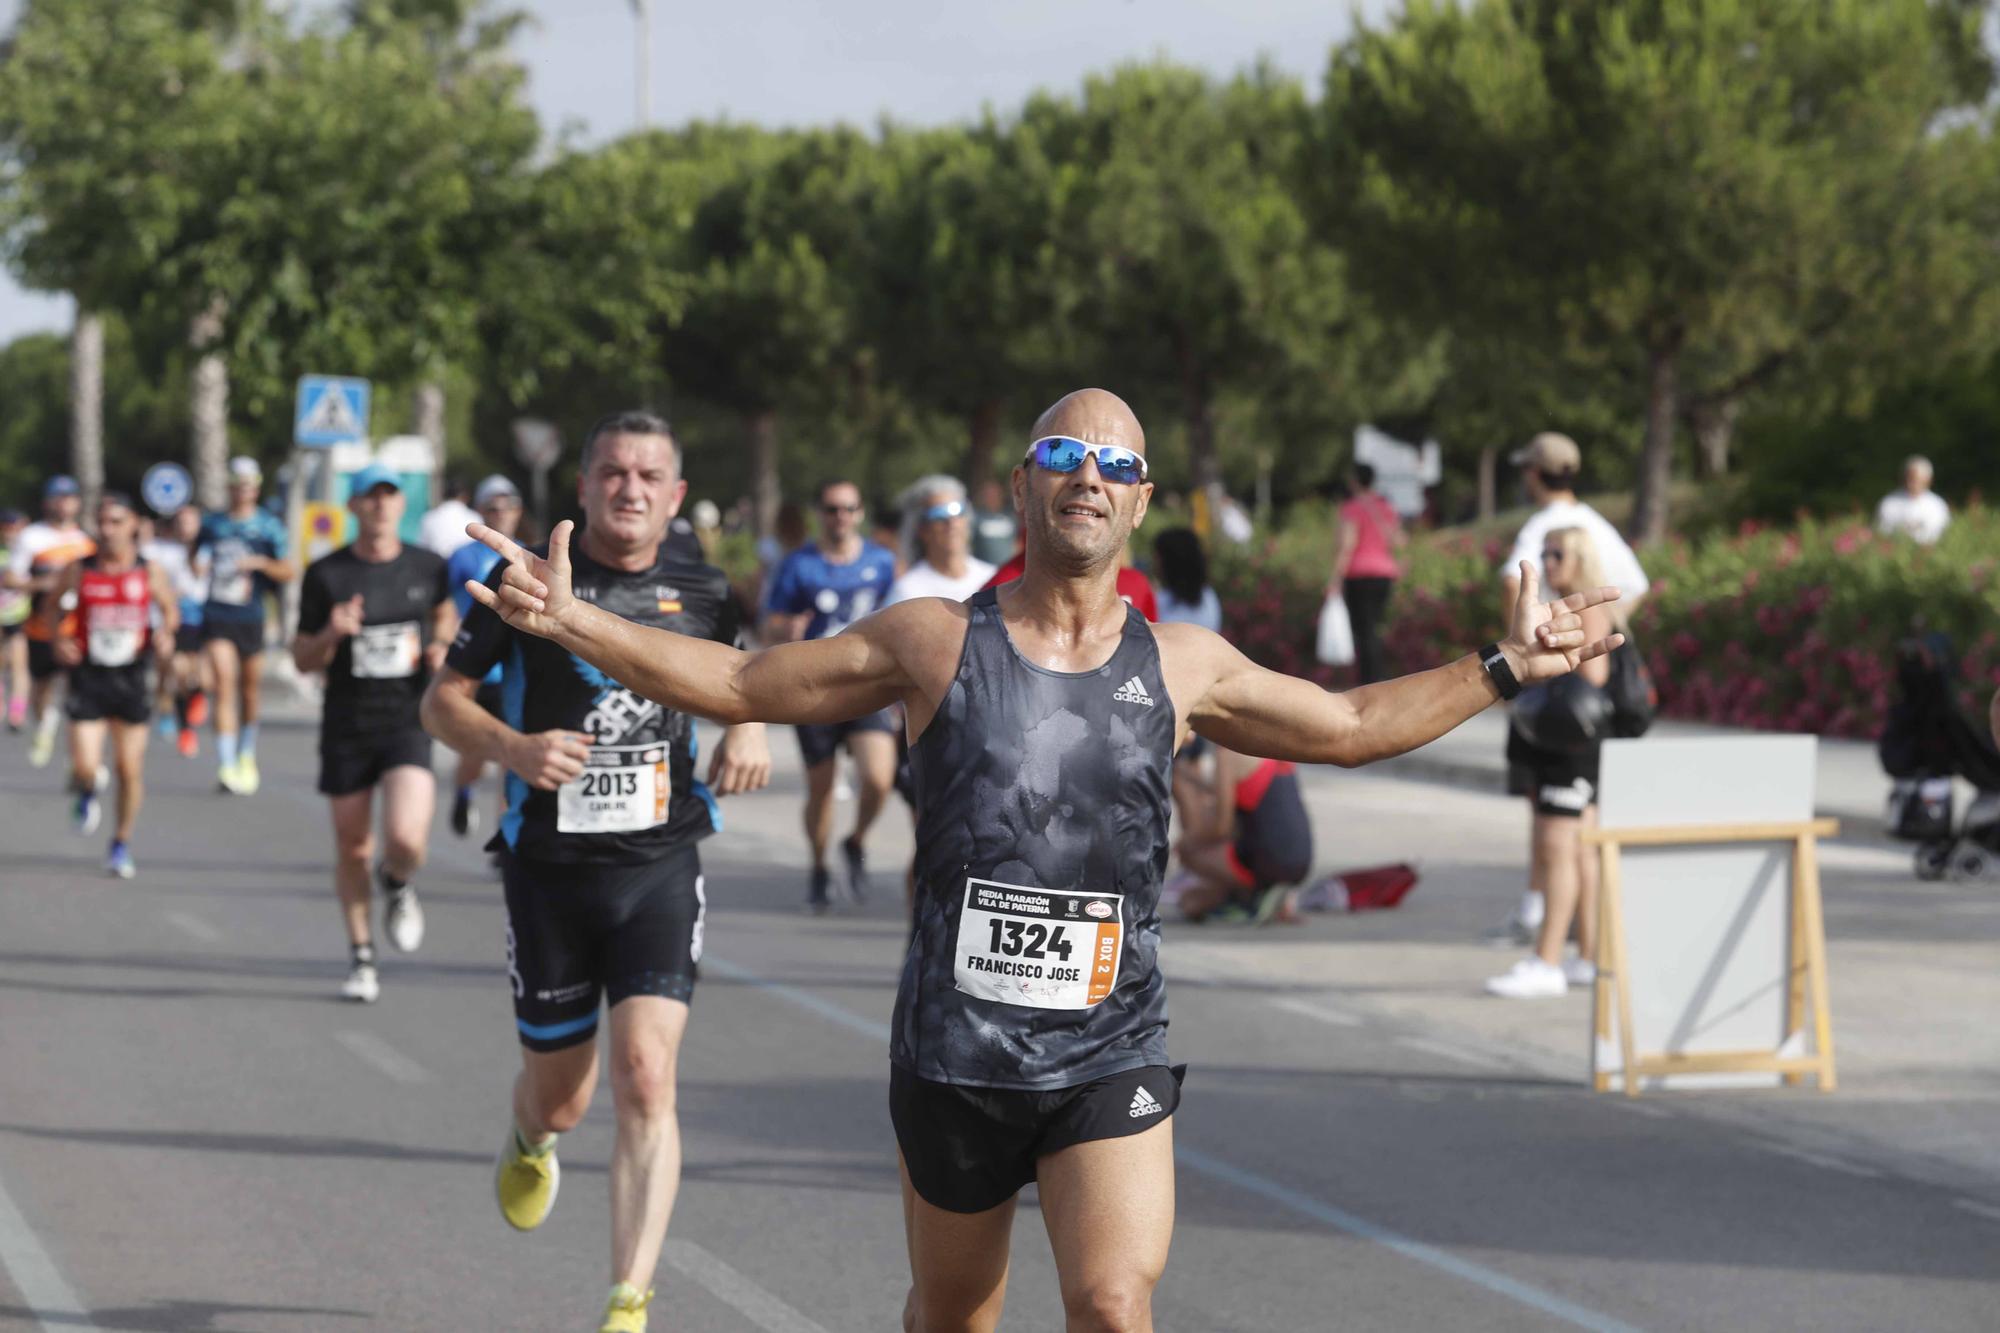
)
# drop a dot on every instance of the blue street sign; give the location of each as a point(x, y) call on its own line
point(331, 410)
point(166, 487)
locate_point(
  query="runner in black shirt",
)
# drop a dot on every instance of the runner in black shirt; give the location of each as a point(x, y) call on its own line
point(1029, 1036)
point(375, 617)
point(604, 888)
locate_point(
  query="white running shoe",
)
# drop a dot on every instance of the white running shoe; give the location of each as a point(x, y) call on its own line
point(404, 920)
point(1529, 979)
point(362, 985)
point(1579, 972)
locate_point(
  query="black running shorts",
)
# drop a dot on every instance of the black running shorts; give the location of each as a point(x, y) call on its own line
point(490, 698)
point(969, 1149)
point(117, 694)
point(818, 743)
point(575, 930)
point(42, 662)
point(188, 639)
point(348, 764)
point(247, 635)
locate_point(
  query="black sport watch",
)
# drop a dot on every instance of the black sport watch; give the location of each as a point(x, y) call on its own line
point(1498, 671)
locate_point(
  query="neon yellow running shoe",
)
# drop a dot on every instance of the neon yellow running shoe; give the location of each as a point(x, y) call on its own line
point(42, 748)
point(526, 1182)
point(625, 1312)
point(247, 777)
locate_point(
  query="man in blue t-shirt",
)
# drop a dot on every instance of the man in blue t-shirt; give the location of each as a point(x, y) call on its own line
point(241, 555)
point(818, 591)
point(499, 504)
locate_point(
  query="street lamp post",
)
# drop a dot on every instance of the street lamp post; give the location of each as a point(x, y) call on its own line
point(642, 11)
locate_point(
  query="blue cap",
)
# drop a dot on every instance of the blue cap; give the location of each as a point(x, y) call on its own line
point(371, 476)
point(61, 484)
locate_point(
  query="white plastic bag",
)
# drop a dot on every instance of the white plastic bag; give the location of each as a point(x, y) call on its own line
point(1336, 633)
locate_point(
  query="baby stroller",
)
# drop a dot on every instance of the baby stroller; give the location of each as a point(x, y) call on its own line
point(1928, 740)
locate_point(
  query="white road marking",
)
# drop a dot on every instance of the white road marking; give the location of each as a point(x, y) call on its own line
point(51, 1302)
point(1985, 1210)
point(732, 1288)
point(1446, 1050)
point(1323, 1013)
point(190, 924)
point(1305, 1205)
point(386, 1058)
point(1821, 1160)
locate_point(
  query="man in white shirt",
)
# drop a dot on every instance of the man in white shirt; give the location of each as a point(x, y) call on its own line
point(937, 543)
point(1916, 511)
point(1550, 464)
point(443, 527)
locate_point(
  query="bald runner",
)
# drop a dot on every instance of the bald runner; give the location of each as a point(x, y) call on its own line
point(1029, 1040)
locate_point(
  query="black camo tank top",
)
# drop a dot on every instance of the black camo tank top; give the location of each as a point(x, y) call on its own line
point(1042, 806)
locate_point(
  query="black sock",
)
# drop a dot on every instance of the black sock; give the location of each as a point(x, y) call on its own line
point(389, 881)
point(181, 709)
point(363, 954)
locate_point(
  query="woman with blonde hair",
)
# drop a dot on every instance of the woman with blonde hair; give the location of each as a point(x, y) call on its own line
point(1553, 744)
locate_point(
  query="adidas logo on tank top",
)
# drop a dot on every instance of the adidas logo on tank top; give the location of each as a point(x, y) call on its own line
point(1144, 1104)
point(1132, 692)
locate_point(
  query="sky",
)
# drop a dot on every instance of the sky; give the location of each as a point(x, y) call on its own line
point(801, 62)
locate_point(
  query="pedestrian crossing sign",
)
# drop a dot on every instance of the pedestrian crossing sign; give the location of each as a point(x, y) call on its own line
point(332, 409)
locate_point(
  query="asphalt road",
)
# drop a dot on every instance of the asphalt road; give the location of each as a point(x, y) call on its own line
point(196, 1135)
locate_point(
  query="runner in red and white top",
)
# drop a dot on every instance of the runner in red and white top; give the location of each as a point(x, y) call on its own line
point(108, 646)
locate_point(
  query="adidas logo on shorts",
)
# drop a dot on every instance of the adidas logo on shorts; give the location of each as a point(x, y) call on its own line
point(1145, 1103)
point(1132, 692)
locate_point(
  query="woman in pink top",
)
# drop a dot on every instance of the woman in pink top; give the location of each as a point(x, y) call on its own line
point(1365, 568)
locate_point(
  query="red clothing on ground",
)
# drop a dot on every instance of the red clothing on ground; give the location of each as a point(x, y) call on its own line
point(1133, 586)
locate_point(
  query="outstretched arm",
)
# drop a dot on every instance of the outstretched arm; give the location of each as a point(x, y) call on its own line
point(1260, 712)
point(823, 680)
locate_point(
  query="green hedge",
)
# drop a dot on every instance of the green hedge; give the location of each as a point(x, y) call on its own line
point(1789, 629)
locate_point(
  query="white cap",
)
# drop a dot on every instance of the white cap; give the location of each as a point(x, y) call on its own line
point(493, 488)
point(245, 468)
point(706, 515)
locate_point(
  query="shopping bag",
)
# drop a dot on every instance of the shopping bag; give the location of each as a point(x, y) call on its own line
point(1336, 633)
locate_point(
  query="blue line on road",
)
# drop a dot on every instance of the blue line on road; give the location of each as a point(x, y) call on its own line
point(1342, 1220)
point(804, 999)
point(1249, 1181)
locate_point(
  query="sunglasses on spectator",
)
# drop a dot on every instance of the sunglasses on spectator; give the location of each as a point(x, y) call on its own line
point(840, 509)
point(949, 509)
point(1060, 453)
point(1554, 557)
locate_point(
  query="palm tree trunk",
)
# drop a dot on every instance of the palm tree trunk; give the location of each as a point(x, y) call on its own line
point(429, 423)
point(208, 410)
point(1656, 459)
point(983, 444)
point(1714, 431)
point(86, 406)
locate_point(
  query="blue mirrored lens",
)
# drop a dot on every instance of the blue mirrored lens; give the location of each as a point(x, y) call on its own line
point(949, 509)
point(1062, 454)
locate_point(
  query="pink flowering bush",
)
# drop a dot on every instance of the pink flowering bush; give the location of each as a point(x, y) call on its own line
point(1781, 629)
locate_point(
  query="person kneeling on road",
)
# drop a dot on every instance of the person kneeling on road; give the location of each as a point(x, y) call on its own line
point(1248, 838)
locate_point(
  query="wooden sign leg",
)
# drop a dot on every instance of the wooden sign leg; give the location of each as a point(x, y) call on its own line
point(1601, 991)
point(1796, 965)
point(1806, 857)
point(1612, 925)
